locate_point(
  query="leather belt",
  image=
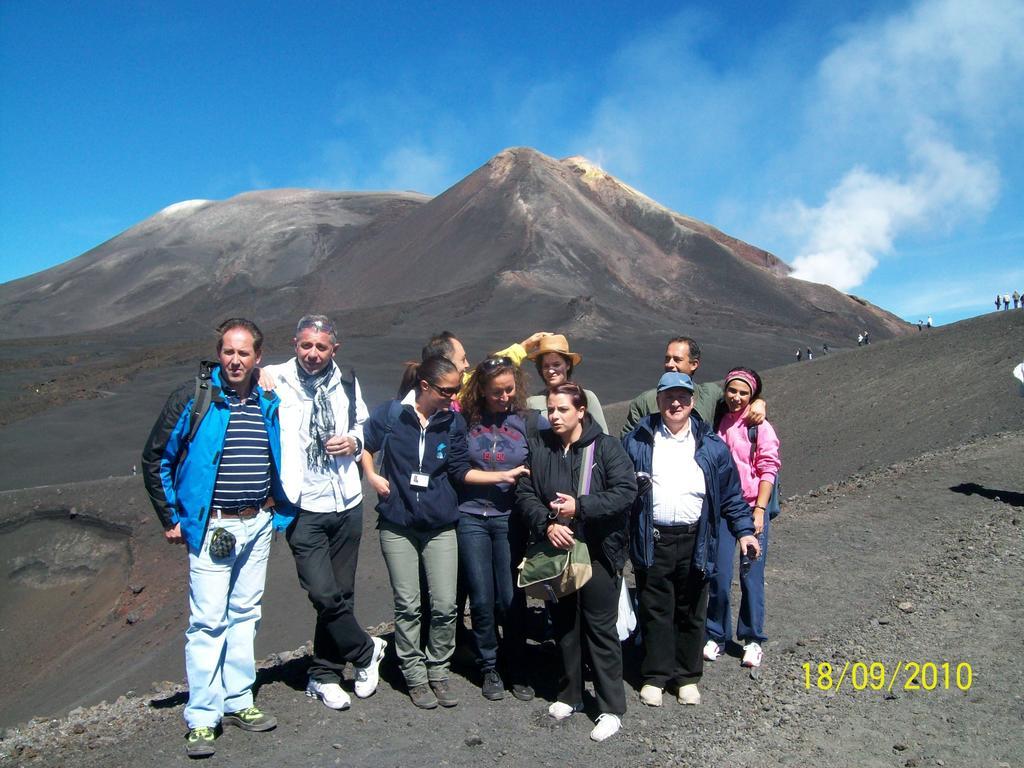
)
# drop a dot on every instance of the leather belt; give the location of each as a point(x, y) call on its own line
point(683, 528)
point(240, 513)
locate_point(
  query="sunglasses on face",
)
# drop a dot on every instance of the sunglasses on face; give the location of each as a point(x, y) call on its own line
point(446, 391)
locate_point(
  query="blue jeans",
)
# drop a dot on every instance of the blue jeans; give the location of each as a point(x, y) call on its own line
point(224, 597)
point(751, 618)
point(485, 557)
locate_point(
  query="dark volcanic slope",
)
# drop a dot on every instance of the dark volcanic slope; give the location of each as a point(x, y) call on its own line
point(215, 249)
point(562, 241)
point(872, 406)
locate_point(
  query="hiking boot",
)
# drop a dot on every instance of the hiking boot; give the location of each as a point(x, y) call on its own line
point(712, 650)
point(493, 688)
point(752, 654)
point(422, 696)
point(368, 677)
point(331, 694)
point(250, 719)
point(444, 694)
point(523, 691)
point(651, 695)
point(607, 725)
point(199, 742)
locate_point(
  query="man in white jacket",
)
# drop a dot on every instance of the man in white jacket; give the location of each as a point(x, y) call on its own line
point(322, 414)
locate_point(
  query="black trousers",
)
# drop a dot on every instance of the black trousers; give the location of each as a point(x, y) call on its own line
point(326, 550)
point(673, 600)
point(590, 614)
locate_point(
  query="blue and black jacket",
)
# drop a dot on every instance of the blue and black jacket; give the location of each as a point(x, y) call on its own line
point(724, 496)
point(445, 460)
point(180, 477)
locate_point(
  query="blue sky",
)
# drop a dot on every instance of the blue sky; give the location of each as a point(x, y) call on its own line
point(874, 146)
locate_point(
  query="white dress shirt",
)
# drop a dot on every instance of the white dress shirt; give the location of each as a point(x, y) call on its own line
point(678, 482)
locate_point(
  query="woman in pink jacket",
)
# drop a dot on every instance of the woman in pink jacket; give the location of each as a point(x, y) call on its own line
point(755, 450)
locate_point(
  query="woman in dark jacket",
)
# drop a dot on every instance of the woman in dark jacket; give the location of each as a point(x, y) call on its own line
point(553, 507)
point(424, 457)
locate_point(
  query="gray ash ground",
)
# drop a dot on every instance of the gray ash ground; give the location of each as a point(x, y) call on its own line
point(919, 561)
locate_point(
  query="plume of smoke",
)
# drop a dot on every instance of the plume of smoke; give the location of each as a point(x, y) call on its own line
point(865, 212)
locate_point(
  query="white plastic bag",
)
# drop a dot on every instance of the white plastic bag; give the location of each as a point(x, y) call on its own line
point(626, 622)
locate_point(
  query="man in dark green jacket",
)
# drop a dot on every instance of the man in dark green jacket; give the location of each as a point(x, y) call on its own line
point(682, 355)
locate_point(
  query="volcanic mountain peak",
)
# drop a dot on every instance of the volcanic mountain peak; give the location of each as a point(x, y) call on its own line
point(184, 207)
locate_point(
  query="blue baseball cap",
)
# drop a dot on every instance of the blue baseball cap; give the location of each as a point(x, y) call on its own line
point(674, 380)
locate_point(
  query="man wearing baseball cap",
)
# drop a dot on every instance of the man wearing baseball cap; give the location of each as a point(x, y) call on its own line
point(687, 482)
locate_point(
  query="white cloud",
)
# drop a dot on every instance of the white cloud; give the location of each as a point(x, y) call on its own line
point(865, 212)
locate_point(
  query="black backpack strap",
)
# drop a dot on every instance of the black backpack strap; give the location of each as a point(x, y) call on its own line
point(348, 383)
point(394, 412)
point(201, 399)
point(752, 436)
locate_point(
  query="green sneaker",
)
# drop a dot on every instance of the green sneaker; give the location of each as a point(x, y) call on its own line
point(250, 719)
point(199, 742)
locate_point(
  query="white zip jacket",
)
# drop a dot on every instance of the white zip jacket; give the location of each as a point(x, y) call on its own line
point(313, 491)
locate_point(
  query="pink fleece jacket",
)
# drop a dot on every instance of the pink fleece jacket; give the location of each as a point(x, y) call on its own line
point(766, 462)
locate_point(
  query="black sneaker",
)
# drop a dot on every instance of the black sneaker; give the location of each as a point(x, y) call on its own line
point(250, 719)
point(492, 687)
point(422, 696)
point(523, 691)
point(444, 694)
point(199, 742)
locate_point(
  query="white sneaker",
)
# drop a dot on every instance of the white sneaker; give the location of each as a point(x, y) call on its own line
point(368, 677)
point(752, 655)
point(331, 694)
point(651, 695)
point(688, 694)
point(713, 650)
point(559, 710)
point(607, 725)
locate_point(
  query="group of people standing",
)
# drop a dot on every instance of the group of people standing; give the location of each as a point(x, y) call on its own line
point(469, 471)
point(1005, 300)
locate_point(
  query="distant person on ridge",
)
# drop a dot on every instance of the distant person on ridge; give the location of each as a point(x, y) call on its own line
point(860, 339)
point(810, 354)
point(799, 354)
point(999, 300)
point(216, 488)
point(1006, 301)
point(682, 355)
point(322, 416)
point(1016, 299)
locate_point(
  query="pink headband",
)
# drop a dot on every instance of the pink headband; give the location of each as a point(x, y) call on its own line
point(743, 376)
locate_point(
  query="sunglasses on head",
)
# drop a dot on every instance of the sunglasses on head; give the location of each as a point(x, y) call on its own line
point(497, 362)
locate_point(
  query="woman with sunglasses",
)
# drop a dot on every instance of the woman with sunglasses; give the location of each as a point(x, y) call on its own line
point(755, 451)
point(424, 457)
point(581, 485)
point(491, 539)
point(555, 364)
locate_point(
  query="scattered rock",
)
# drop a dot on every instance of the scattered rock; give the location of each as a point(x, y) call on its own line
point(131, 618)
point(906, 606)
point(474, 741)
point(899, 747)
point(136, 588)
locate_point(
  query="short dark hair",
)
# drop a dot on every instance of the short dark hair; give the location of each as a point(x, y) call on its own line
point(577, 396)
point(440, 344)
point(246, 325)
point(691, 345)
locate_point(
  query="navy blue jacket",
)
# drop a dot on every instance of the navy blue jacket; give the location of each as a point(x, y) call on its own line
point(724, 495)
point(445, 460)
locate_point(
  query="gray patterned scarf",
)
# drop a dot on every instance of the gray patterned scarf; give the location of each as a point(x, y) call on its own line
point(321, 418)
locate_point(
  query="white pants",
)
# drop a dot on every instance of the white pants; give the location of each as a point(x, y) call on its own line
point(224, 603)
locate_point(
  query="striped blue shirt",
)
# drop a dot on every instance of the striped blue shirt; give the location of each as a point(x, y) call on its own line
point(243, 477)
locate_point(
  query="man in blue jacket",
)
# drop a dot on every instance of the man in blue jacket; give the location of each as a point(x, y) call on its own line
point(213, 479)
point(687, 483)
